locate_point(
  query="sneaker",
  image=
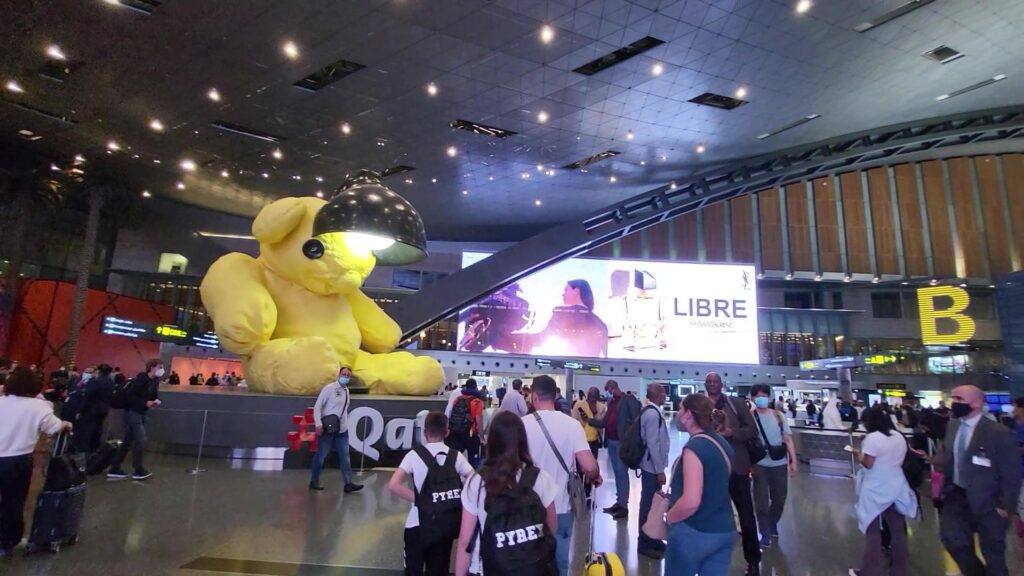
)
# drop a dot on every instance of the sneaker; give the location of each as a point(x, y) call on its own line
point(612, 509)
point(350, 488)
point(141, 474)
point(116, 474)
point(766, 540)
point(313, 486)
point(620, 514)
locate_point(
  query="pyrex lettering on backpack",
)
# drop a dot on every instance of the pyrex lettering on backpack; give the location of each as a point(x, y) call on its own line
point(519, 536)
point(445, 496)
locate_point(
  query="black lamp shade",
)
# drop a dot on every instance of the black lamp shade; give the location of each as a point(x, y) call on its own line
point(365, 205)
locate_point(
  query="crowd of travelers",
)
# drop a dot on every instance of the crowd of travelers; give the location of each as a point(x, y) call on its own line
point(509, 486)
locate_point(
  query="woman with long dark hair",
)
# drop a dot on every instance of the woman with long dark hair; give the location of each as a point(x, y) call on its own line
point(574, 329)
point(508, 461)
point(883, 494)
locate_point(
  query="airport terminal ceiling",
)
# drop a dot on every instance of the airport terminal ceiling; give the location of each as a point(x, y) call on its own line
point(325, 88)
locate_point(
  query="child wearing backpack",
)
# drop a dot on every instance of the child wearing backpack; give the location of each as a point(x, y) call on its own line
point(437, 473)
point(508, 518)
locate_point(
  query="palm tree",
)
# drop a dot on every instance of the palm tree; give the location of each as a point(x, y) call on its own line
point(107, 191)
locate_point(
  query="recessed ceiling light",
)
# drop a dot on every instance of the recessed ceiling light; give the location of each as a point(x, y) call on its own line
point(79, 159)
point(700, 149)
point(297, 177)
point(156, 161)
point(265, 175)
point(760, 276)
point(933, 281)
point(13, 86)
point(741, 93)
point(432, 89)
point(550, 172)
point(542, 117)
point(113, 146)
point(657, 69)
point(319, 193)
point(224, 174)
point(346, 129)
point(524, 175)
point(643, 163)
point(54, 51)
point(213, 94)
point(664, 158)
point(54, 167)
point(277, 154)
point(629, 134)
point(181, 185)
point(452, 151)
point(433, 180)
point(540, 167)
point(963, 285)
point(789, 276)
point(408, 180)
point(876, 280)
point(491, 178)
point(817, 277)
point(547, 34)
point(672, 186)
point(613, 179)
point(188, 165)
point(465, 192)
point(537, 202)
point(156, 125)
point(290, 50)
point(146, 194)
point(803, 6)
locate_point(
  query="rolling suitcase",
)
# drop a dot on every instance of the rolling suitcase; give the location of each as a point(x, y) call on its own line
point(601, 563)
point(60, 505)
point(99, 461)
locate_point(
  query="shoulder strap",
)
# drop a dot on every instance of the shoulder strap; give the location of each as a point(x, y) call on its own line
point(760, 426)
point(529, 477)
point(551, 443)
point(348, 396)
point(428, 459)
point(728, 462)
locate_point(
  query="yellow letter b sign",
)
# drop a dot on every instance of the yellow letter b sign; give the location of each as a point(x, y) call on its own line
point(962, 324)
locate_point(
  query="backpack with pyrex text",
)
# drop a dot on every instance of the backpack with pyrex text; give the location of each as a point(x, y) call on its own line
point(632, 446)
point(122, 397)
point(516, 540)
point(439, 500)
point(460, 421)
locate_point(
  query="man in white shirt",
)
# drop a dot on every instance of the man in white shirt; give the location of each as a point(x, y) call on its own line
point(513, 401)
point(547, 430)
point(332, 405)
point(433, 559)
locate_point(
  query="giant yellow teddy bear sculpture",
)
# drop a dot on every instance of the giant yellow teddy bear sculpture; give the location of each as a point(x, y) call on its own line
point(295, 320)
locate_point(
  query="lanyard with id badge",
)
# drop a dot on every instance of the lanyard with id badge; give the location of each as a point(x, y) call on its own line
point(981, 459)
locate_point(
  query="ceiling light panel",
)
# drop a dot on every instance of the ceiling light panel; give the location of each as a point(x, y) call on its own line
point(250, 132)
point(971, 88)
point(591, 160)
point(397, 169)
point(619, 56)
point(891, 15)
point(719, 101)
point(481, 129)
point(64, 119)
point(328, 75)
point(943, 54)
point(789, 126)
point(141, 6)
point(58, 69)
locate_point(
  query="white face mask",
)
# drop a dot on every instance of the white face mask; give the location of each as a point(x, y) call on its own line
point(87, 376)
point(159, 373)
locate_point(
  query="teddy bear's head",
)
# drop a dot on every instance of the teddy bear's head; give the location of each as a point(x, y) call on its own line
point(323, 265)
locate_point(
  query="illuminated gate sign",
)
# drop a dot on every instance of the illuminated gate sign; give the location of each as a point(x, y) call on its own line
point(945, 305)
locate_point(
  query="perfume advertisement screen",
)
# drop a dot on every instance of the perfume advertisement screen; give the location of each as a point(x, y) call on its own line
point(628, 309)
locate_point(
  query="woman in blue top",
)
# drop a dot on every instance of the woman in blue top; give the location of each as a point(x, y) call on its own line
point(701, 530)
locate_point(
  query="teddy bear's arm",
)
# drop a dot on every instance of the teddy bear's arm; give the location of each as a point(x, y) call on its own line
point(380, 333)
point(241, 308)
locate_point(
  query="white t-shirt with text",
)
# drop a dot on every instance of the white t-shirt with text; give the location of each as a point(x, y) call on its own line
point(414, 466)
point(475, 494)
point(568, 435)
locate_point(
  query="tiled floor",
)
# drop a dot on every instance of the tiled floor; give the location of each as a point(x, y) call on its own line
point(274, 525)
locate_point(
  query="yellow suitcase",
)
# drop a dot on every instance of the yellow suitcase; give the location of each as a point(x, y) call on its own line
point(601, 563)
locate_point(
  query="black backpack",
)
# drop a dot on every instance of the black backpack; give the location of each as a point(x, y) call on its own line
point(122, 397)
point(516, 540)
point(439, 500)
point(632, 446)
point(460, 422)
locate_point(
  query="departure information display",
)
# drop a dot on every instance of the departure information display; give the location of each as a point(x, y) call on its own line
point(114, 326)
point(628, 309)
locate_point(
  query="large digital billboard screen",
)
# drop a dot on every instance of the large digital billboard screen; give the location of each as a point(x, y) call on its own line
point(629, 309)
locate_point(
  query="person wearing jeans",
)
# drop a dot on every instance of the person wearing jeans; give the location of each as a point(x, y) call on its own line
point(652, 467)
point(771, 476)
point(143, 394)
point(622, 410)
point(332, 407)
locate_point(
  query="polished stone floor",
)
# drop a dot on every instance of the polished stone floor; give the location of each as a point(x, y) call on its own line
point(232, 519)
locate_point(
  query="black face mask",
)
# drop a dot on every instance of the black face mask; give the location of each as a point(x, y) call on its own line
point(960, 409)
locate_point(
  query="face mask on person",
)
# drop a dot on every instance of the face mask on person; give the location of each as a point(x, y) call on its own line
point(343, 380)
point(87, 376)
point(762, 402)
point(159, 373)
point(960, 409)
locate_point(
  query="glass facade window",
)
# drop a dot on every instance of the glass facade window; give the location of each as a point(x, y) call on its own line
point(886, 305)
point(797, 299)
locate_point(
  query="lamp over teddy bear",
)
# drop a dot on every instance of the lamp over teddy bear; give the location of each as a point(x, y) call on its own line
point(296, 313)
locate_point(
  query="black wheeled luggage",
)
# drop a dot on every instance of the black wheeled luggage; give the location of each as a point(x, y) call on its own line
point(60, 505)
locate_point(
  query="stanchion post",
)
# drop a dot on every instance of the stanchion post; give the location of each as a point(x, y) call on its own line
point(362, 453)
point(199, 453)
point(853, 459)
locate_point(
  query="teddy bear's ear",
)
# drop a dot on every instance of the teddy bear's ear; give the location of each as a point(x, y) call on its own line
point(278, 219)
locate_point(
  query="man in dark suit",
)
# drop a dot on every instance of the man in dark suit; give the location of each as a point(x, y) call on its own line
point(739, 429)
point(982, 485)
